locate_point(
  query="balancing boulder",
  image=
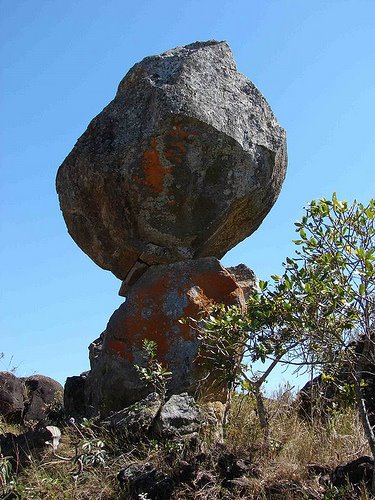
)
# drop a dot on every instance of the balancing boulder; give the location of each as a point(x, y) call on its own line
point(184, 163)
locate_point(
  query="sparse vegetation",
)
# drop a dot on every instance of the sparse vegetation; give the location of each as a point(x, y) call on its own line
point(87, 463)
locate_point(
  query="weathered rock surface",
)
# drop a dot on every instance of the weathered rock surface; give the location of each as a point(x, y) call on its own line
point(43, 393)
point(136, 421)
point(145, 480)
point(12, 397)
point(180, 416)
point(29, 398)
point(245, 277)
point(21, 447)
point(355, 472)
point(185, 162)
point(74, 396)
point(156, 302)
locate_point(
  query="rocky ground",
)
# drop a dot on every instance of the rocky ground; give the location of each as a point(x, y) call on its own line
point(176, 450)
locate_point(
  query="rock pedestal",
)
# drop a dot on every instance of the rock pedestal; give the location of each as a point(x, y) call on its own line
point(159, 299)
point(183, 164)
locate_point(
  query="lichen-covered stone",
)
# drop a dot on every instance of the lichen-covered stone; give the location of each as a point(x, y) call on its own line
point(185, 162)
point(155, 303)
point(136, 421)
point(179, 416)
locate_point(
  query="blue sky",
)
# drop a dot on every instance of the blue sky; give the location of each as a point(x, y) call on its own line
point(62, 61)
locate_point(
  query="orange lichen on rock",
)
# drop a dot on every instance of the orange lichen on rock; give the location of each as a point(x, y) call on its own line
point(220, 287)
point(154, 170)
point(118, 347)
point(154, 306)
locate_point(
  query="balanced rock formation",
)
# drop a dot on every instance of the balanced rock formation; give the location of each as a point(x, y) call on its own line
point(185, 162)
point(182, 165)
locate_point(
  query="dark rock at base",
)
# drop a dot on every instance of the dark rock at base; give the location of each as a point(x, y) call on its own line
point(12, 397)
point(186, 471)
point(184, 163)
point(20, 448)
point(317, 397)
point(74, 396)
point(146, 479)
point(356, 472)
point(320, 395)
point(232, 467)
point(43, 395)
point(137, 420)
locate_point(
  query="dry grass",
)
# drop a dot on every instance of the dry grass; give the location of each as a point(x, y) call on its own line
point(294, 445)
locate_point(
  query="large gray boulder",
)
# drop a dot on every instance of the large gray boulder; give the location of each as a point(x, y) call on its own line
point(185, 162)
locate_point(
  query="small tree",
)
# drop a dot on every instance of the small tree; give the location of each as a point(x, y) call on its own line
point(320, 313)
point(330, 285)
point(154, 373)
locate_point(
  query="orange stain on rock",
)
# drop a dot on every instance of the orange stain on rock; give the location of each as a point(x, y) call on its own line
point(119, 347)
point(148, 318)
point(154, 170)
point(219, 287)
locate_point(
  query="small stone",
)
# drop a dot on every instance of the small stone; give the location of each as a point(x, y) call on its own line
point(137, 420)
point(179, 416)
point(145, 479)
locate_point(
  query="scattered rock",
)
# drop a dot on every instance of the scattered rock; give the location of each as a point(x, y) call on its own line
point(321, 394)
point(145, 479)
point(317, 397)
point(204, 478)
point(232, 467)
point(180, 416)
point(186, 471)
point(356, 472)
point(21, 447)
point(74, 396)
point(185, 162)
point(12, 397)
point(36, 398)
point(155, 304)
point(43, 394)
point(137, 420)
